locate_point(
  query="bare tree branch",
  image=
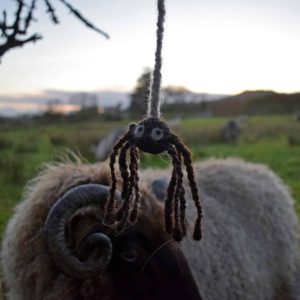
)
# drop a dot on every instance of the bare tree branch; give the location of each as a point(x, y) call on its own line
point(78, 15)
point(29, 17)
point(10, 34)
point(3, 25)
point(16, 24)
point(13, 43)
point(51, 11)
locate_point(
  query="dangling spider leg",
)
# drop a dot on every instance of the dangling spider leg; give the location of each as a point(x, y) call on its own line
point(170, 196)
point(176, 161)
point(122, 214)
point(182, 203)
point(135, 211)
point(129, 189)
point(124, 169)
point(181, 148)
point(109, 217)
point(110, 206)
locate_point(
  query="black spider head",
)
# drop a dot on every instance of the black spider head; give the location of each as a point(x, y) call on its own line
point(152, 135)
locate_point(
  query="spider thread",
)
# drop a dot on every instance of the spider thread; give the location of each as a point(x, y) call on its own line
point(154, 100)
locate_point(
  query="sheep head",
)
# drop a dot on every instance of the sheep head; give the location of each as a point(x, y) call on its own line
point(142, 262)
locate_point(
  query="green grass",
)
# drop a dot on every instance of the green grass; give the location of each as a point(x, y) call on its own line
point(272, 140)
point(278, 155)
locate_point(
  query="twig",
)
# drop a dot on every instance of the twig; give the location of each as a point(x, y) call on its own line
point(78, 15)
point(51, 11)
point(10, 34)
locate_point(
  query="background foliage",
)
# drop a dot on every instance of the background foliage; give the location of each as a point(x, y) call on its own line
point(272, 140)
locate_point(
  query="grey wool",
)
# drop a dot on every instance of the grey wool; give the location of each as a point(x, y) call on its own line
point(250, 244)
point(251, 234)
point(154, 97)
point(249, 249)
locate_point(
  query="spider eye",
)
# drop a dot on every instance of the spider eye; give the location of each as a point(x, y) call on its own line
point(139, 131)
point(157, 134)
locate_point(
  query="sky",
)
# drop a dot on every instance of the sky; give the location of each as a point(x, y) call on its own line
point(211, 46)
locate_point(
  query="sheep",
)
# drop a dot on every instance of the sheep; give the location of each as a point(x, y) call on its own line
point(121, 267)
point(231, 131)
point(249, 248)
point(103, 147)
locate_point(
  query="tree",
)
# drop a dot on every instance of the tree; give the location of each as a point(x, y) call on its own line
point(176, 94)
point(15, 34)
point(84, 100)
point(140, 95)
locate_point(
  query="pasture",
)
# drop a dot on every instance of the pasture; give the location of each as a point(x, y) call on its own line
point(272, 140)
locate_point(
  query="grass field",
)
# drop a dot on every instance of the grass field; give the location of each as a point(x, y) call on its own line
point(274, 141)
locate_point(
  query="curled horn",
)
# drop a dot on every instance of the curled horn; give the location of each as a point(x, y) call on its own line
point(55, 228)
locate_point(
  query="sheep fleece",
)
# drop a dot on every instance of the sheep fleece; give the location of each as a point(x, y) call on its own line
point(249, 248)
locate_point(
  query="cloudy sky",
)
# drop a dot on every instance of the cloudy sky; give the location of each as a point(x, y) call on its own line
point(212, 46)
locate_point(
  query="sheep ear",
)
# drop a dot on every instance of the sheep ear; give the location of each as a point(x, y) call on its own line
point(159, 187)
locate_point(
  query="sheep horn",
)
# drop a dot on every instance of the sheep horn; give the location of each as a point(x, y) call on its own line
point(54, 230)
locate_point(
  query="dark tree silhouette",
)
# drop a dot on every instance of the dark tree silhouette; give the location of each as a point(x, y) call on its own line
point(15, 34)
point(140, 95)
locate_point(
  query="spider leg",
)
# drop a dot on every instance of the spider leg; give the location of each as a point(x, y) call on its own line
point(170, 196)
point(110, 205)
point(124, 169)
point(176, 161)
point(123, 212)
point(182, 211)
point(181, 148)
point(182, 202)
point(135, 211)
point(109, 217)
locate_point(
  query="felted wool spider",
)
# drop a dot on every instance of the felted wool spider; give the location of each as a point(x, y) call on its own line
point(153, 136)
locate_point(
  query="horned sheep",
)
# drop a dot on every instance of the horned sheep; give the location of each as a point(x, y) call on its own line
point(249, 248)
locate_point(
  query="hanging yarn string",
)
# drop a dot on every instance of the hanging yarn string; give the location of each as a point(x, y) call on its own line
point(154, 136)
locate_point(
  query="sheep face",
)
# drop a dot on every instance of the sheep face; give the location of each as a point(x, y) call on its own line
point(142, 262)
point(135, 274)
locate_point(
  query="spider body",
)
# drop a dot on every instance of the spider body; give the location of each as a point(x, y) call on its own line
point(153, 136)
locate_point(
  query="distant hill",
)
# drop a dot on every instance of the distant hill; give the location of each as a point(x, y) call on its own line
point(187, 104)
point(33, 105)
point(256, 103)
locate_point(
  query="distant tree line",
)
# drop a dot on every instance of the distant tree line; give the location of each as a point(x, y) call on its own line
point(176, 99)
point(179, 101)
